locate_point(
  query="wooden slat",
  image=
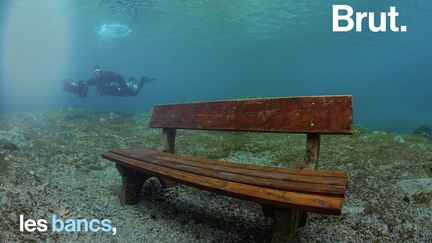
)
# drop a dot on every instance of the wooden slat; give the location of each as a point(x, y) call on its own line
point(232, 175)
point(315, 114)
point(228, 167)
point(300, 171)
point(262, 195)
point(204, 162)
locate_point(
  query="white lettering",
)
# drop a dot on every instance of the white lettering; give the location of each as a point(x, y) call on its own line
point(359, 20)
point(347, 18)
point(383, 23)
point(345, 22)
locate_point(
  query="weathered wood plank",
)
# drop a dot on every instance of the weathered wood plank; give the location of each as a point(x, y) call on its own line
point(315, 114)
point(321, 189)
point(206, 162)
point(261, 195)
point(181, 163)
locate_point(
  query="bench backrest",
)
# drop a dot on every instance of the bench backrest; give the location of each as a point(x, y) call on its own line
point(314, 114)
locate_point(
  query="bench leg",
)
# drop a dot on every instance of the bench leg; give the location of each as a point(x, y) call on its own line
point(267, 211)
point(132, 181)
point(303, 219)
point(285, 223)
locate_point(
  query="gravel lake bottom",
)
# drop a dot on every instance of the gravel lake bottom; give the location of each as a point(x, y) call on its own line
point(58, 170)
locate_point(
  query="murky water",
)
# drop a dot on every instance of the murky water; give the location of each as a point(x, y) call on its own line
point(206, 50)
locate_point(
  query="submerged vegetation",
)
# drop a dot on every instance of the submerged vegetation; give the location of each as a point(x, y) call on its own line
point(389, 196)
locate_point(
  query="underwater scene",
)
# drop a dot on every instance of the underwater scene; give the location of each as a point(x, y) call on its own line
point(215, 121)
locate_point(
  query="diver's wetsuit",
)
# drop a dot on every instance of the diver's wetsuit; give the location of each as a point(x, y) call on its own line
point(110, 83)
point(107, 83)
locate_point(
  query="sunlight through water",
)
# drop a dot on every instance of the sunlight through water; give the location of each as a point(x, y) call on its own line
point(35, 51)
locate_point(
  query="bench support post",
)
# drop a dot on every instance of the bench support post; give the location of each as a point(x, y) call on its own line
point(267, 211)
point(312, 151)
point(168, 140)
point(168, 145)
point(285, 223)
point(310, 161)
point(132, 181)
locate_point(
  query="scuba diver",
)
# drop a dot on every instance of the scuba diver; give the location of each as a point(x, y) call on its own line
point(107, 83)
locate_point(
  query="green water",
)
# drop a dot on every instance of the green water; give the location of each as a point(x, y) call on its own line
point(207, 50)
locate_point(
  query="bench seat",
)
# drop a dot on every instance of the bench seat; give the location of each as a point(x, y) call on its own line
point(287, 188)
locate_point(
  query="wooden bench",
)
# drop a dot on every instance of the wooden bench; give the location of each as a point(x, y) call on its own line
point(286, 194)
